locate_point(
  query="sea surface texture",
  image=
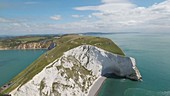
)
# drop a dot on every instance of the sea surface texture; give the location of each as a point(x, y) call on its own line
point(152, 54)
point(13, 62)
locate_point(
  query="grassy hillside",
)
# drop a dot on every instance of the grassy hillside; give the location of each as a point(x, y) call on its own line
point(64, 44)
point(12, 42)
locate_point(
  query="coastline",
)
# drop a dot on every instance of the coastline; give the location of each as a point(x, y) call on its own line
point(97, 93)
point(94, 90)
point(1, 49)
point(4, 48)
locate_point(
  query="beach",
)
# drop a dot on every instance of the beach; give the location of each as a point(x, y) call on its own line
point(96, 86)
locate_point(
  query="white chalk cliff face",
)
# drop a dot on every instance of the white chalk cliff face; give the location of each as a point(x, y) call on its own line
point(74, 73)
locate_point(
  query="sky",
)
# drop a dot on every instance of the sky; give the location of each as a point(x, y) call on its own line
point(19, 17)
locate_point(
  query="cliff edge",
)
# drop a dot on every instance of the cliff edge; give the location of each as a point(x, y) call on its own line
point(75, 64)
point(74, 73)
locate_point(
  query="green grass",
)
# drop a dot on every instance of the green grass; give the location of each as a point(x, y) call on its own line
point(64, 44)
point(28, 39)
point(12, 43)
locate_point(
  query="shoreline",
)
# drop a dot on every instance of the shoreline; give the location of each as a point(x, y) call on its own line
point(97, 93)
point(3, 49)
point(94, 90)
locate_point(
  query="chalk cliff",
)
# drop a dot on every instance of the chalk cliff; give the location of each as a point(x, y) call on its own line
point(74, 73)
point(33, 45)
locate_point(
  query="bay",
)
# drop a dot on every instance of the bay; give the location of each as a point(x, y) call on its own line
point(152, 53)
point(12, 62)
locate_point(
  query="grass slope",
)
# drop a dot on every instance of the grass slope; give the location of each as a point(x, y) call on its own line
point(13, 42)
point(64, 44)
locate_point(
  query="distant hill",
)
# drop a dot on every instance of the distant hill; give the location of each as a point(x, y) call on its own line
point(103, 33)
point(26, 42)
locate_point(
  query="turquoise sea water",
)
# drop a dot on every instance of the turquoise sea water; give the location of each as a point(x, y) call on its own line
point(152, 54)
point(151, 51)
point(14, 61)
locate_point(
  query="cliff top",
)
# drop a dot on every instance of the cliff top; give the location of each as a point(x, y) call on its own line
point(64, 43)
point(13, 42)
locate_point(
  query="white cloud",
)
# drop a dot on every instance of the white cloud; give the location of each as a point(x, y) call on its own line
point(89, 16)
point(5, 20)
point(122, 15)
point(109, 16)
point(13, 26)
point(109, 5)
point(56, 17)
point(86, 8)
point(77, 16)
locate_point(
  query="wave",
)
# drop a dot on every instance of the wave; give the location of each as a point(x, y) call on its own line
point(144, 92)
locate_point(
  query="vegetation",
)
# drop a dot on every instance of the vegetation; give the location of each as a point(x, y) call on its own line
point(42, 85)
point(29, 39)
point(74, 73)
point(12, 42)
point(64, 43)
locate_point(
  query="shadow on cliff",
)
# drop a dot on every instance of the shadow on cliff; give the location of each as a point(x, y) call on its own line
point(112, 75)
point(106, 73)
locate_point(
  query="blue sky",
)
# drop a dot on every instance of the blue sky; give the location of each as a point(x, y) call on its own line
point(146, 3)
point(18, 17)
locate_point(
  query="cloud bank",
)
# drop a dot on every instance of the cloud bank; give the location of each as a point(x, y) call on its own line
point(109, 16)
point(122, 15)
point(56, 17)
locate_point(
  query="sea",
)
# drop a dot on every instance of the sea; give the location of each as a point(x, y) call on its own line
point(151, 51)
point(152, 54)
point(12, 62)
